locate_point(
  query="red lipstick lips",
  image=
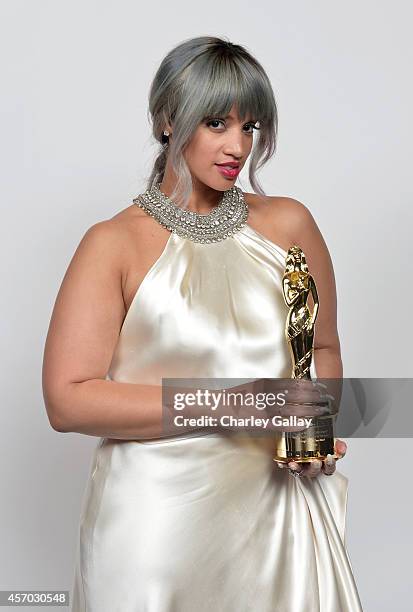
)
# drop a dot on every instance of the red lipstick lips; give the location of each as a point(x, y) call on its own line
point(229, 169)
point(229, 163)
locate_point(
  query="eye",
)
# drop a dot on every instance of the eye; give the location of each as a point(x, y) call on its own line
point(251, 124)
point(211, 121)
point(254, 124)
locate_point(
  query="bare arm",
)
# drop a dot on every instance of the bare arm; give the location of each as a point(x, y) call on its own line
point(83, 332)
point(110, 409)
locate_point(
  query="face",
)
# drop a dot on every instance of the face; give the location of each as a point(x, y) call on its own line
point(220, 140)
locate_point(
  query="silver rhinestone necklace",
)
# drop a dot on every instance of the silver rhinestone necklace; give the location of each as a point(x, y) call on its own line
point(228, 217)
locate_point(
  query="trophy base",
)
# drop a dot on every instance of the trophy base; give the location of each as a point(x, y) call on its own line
point(316, 442)
point(321, 457)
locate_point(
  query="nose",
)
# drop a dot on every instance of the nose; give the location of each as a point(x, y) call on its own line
point(234, 144)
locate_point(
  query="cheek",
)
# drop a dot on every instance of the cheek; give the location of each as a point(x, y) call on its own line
point(201, 151)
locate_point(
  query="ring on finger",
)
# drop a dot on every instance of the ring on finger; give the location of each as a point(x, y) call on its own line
point(329, 464)
point(328, 470)
point(296, 473)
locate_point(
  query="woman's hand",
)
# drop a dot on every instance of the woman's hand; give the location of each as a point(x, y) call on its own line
point(316, 466)
point(294, 400)
point(301, 398)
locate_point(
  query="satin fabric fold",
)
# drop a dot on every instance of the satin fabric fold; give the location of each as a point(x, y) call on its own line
point(206, 521)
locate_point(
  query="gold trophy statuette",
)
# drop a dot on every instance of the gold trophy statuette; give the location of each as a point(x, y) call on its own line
point(316, 441)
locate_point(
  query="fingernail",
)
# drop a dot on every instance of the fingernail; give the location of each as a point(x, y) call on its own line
point(280, 465)
point(330, 459)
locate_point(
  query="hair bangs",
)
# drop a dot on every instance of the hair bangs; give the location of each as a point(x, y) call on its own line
point(214, 87)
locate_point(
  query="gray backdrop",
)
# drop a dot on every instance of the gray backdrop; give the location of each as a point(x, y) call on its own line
point(76, 148)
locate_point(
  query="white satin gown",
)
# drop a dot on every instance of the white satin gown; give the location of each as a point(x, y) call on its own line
point(206, 522)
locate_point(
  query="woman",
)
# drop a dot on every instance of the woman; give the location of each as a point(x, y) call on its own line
point(187, 283)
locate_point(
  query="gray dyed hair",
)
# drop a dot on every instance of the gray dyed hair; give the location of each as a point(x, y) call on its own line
point(203, 77)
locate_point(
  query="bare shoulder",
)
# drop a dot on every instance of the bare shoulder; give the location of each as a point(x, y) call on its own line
point(287, 221)
point(103, 242)
point(103, 246)
point(279, 218)
point(279, 208)
point(302, 227)
point(129, 214)
point(114, 237)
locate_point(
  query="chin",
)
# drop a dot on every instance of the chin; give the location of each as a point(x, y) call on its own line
point(223, 183)
point(217, 185)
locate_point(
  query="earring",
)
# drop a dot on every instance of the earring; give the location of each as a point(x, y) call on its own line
point(165, 138)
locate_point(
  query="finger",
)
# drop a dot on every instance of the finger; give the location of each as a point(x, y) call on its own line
point(299, 409)
point(329, 465)
point(295, 468)
point(340, 447)
point(281, 465)
point(301, 388)
point(312, 468)
point(282, 425)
